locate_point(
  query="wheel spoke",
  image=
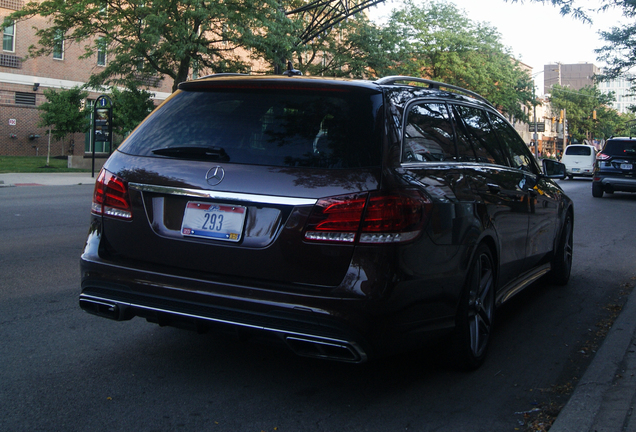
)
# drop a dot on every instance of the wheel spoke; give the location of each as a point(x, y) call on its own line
point(480, 313)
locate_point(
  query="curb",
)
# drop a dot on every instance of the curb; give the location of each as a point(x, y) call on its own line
point(604, 398)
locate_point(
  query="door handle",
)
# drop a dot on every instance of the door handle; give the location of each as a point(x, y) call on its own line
point(493, 188)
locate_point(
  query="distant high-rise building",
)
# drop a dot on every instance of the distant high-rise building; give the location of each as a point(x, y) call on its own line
point(622, 88)
point(574, 76)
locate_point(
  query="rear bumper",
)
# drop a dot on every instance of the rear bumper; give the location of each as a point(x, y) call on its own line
point(307, 330)
point(583, 172)
point(328, 326)
point(618, 184)
point(391, 299)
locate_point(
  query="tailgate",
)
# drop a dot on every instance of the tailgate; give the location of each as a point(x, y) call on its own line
point(269, 245)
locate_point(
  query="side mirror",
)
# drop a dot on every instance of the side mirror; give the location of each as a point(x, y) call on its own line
point(553, 169)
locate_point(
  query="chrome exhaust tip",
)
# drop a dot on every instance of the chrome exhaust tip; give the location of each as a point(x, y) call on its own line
point(326, 349)
point(100, 307)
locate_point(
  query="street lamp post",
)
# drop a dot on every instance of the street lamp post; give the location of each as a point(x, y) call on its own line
point(535, 136)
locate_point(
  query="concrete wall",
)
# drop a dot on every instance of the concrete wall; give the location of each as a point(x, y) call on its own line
point(86, 162)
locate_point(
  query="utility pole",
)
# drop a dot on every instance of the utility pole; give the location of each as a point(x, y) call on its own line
point(565, 134)
point(535, 136)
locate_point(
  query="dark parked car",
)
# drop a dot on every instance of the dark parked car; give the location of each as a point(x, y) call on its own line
point(349, 219)
point(615, 169)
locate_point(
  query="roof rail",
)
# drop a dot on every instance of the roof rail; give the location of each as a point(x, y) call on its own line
point(223, 74)
point(431, 84)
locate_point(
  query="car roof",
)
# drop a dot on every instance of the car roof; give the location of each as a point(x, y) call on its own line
point(218, 80)
point(413, 84)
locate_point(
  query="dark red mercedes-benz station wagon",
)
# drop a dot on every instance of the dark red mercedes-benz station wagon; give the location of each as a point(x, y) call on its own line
point(349, 219)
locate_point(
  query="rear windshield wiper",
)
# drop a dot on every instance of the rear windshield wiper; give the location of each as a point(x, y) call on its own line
point(207, 153)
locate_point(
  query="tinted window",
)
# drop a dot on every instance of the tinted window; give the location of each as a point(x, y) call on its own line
point(518, 154)
point(266, 127)
point(480, 134)
point(465, 150)
point(428, 135)
point(578, 151)
point(620, 148)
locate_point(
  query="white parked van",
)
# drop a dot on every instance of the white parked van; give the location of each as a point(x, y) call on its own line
point(579, 160)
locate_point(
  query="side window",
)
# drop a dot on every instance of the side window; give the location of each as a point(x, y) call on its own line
point(481, 135)
point(8, 38)
point(465, 152)
point(518, 153)
point(428, 135)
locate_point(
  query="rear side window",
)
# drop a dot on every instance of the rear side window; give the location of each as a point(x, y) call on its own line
point(578, 151)
point(513, 145)
point(288, 127)
point(479, 132)
point(428, 135)
point(620, 148)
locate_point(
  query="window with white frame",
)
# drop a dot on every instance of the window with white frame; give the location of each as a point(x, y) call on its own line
point(101, 52)
point(8, 38)
point(58, 47)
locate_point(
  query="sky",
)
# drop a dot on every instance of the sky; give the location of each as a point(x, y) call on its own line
point(536, 34)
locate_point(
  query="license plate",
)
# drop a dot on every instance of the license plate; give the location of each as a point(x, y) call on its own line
point(576, 169)
point(213, 221)
point(626, 166)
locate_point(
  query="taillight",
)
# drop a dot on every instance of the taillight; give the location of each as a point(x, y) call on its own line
point(377, 217)
point(602, 156)
point(111, 197)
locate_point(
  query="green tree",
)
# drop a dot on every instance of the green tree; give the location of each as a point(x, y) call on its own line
point(581, 106)
point(130, 107)
point(619, 53)
point(145, 40)
point(612, 123)
point(437, 41)
point(354, 48)
point(62, 114)
point(573, 7)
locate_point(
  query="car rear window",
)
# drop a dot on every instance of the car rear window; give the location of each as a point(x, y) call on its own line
point(288, 127)
point(617, 148)
point(578, 151)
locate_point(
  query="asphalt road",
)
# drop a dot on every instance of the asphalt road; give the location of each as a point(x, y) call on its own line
point(64, 370)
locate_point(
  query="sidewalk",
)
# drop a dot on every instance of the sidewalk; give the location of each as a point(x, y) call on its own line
point(46, 179)
point(603, 400)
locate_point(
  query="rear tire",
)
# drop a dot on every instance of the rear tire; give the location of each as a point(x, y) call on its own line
point(475, 315)
point(597, 190)
point(562, 261)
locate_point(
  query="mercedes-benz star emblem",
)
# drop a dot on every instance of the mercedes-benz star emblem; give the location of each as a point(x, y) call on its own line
point(215, 175)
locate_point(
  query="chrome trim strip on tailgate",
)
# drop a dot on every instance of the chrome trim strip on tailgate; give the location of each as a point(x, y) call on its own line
point(199, 193)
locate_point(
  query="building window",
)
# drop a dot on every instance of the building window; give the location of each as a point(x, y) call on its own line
point(10, 60)
point(101, 52)
point(195, 69)
point(8, 38)
point(58, 48)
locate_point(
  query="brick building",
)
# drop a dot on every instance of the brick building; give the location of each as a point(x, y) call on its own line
point(22, 82)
